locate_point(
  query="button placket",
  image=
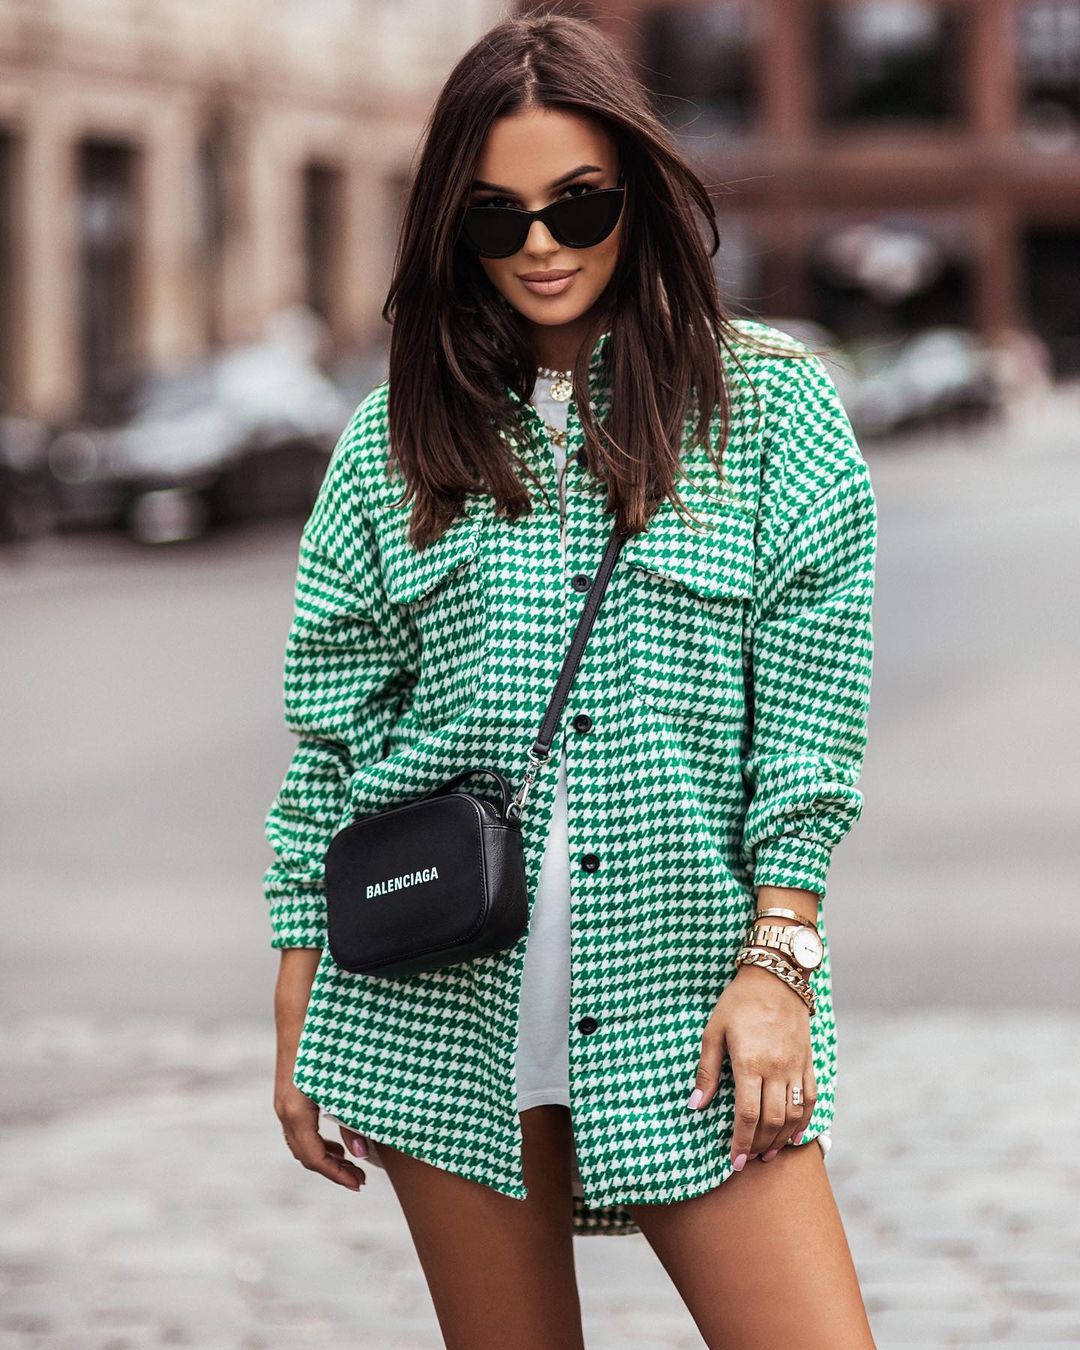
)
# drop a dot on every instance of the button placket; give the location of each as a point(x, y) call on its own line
point(586, 534)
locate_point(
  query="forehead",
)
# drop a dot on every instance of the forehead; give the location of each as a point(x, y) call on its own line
point(531, 148)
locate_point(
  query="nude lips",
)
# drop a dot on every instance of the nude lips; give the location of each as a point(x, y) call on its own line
point(550, 287)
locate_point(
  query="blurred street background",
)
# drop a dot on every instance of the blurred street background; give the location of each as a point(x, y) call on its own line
point(198, 211)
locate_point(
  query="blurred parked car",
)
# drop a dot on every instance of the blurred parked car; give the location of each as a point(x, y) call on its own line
point(891, 384)
point(26, 506)
point(243, 433)
point(943, 373)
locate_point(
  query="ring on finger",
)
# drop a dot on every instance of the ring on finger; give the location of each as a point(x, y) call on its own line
point(796, 1094)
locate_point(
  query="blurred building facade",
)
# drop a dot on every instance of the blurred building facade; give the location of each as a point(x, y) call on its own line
point(172, 173)
point(882, 165)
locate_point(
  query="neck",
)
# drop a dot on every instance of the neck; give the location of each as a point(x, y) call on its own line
point(558, 347)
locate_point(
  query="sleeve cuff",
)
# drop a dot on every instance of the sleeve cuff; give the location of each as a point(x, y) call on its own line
point(790, 860)
point(298, 920)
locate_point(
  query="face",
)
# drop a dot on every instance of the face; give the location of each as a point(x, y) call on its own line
point(533, 158)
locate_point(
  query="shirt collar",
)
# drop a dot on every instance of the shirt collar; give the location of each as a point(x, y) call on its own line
point(598, 353)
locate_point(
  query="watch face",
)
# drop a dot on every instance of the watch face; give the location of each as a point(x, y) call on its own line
point(807, 948)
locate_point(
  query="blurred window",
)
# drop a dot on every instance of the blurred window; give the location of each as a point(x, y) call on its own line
point(8, 299)
point(213, 210)
point(324, 210)
point(1049, 275)
point(1048, 51)
point(703, 64)
point(109, 220)
point(890, 60)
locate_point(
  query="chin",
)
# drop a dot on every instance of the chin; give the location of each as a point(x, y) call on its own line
point(548, 316)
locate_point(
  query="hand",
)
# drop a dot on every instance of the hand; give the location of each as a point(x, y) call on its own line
point(763, 1026)
point(299, 1117)
point(298, 1114)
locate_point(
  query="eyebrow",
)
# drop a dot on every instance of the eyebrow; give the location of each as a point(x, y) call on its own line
point(574, 173)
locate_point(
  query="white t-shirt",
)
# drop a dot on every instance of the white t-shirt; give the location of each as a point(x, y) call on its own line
point(543, 1050)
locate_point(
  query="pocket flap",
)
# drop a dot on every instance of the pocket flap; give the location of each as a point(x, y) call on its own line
point(409, 574)
point(714, 559)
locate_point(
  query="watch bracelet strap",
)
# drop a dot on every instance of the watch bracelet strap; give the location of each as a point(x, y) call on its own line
point(775, 931)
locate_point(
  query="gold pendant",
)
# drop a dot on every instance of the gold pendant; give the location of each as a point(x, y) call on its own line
point(561, 389)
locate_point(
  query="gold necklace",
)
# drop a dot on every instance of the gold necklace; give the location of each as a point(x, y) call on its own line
point(562, 384)
point(561, 388)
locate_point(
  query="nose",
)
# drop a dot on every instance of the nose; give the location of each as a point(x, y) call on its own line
point(542, 242)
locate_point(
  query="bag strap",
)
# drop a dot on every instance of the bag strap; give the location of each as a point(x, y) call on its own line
point(542, 745)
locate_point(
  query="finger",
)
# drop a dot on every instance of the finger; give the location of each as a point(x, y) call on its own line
point(710, 1066)
point(773, 1113)
point(810, 1095)
point(355, 1143)
point(310, 1149)
point(797, 1114)
point(747, 1113)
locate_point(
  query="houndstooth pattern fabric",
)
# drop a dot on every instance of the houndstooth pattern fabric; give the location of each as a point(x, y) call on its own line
point(727, 678)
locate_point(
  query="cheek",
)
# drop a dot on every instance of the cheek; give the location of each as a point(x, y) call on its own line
point(498, 273)
point(604, 257)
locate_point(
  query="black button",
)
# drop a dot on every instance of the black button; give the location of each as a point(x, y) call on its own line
point(590, 862)
point(581, 582)
point(582, 457)
point(587, 1025)
point(583, 722)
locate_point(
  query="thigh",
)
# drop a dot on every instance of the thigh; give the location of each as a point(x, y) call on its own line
point(762, 1260)
point(500, 1270)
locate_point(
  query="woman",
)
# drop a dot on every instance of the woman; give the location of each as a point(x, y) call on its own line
point(707, 755)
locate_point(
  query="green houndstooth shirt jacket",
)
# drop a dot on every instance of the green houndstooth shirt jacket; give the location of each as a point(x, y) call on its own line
point(726, 685)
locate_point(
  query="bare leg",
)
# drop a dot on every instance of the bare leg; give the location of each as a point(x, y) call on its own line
point(500, 1271)
point(762, 1260)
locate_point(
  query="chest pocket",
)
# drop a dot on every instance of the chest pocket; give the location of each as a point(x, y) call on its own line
point(685, 605)
point(441, 588)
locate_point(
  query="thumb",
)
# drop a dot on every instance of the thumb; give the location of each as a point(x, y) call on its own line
point(355, 1143)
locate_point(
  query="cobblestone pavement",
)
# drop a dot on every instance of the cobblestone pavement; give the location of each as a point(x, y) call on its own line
point(150, 1202)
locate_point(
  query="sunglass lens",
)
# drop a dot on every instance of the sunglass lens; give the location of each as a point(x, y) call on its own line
point(493, 231)
point(581, 222)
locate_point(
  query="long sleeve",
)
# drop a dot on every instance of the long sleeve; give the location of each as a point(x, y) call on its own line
point(344, 658)
point(811, 639)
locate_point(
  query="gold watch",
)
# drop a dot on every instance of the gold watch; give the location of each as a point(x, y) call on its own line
point(800, 943)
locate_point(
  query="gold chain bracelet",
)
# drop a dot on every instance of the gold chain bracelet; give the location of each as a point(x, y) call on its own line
point(761, 956)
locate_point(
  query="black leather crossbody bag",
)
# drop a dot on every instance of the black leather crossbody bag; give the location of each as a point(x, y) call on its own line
point(441, 878)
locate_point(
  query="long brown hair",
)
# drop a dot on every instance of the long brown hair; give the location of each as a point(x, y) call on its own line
point(456, 343)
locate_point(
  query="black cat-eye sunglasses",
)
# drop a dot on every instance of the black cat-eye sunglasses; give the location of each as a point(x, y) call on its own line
point(575, 222)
